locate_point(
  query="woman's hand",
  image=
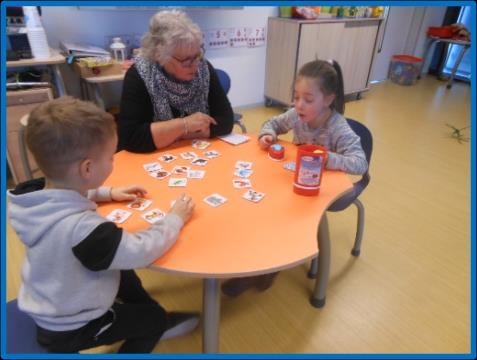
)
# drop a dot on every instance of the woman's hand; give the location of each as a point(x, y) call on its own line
point(198, 123)
point(125, 193)
point(205, 134)
point(265, 141)
point(183, 207)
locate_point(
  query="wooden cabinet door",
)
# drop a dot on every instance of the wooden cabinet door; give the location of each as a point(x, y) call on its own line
point(361, 37)
point(282, 42)
point(351, 44)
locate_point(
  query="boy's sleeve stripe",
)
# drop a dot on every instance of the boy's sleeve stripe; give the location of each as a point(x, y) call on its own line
point(96, 252)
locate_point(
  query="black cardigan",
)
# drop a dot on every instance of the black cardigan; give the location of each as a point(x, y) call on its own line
point(137, 113)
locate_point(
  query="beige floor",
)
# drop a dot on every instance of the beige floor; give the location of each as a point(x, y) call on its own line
point(408, 292)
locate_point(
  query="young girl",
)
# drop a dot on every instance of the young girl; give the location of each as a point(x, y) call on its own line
point(316, 118)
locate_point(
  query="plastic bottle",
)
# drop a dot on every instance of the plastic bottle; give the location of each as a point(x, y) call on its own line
point(118, 49)
point(310, 163)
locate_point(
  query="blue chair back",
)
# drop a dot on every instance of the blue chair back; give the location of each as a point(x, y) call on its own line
point(224, 79)
point(365, 135)
point(367, 144)
point(21, 332)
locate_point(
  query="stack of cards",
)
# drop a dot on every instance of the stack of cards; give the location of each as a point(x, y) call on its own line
point(234, 139)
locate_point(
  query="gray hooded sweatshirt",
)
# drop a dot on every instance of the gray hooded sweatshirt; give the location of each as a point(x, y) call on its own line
point(71, 271)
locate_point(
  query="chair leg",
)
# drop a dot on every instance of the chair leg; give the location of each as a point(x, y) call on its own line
point(238, 121)
point(359, 229)
point(242, 127)
point(313, 268)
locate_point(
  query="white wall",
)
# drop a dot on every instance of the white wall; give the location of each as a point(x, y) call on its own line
point(246, 66)
point(405, 34)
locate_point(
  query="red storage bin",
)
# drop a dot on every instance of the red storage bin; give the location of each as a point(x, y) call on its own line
point(405, 69)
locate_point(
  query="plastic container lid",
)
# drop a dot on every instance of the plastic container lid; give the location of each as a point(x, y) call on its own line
point(406, 58)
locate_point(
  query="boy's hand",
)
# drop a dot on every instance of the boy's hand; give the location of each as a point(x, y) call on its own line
point(127, 193)
point(265, 141)
point(183, 207)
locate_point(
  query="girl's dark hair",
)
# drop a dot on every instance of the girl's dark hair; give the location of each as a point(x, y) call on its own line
point(329, 80)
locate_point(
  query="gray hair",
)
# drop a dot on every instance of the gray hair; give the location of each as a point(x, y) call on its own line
point(169, 30)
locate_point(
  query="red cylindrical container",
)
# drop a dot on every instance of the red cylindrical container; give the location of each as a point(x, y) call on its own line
point(310, 163)
point(276, 152)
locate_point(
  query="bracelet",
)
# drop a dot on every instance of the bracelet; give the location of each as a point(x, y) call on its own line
point(185, 126)
point(111, 193)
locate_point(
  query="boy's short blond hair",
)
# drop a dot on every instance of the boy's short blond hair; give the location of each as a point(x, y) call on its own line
point(65, 130)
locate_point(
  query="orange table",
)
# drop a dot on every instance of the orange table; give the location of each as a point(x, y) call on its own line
point(238, 238)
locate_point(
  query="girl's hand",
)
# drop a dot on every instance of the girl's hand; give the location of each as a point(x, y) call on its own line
point(125, 193)
point(183, 207)
point(265, 141)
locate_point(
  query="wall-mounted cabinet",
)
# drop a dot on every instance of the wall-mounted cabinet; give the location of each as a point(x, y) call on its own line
point(292, 43)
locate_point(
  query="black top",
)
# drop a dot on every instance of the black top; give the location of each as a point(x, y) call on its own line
point(137, 113)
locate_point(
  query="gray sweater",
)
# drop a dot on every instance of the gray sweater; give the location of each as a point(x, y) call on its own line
point(71, 271)
point(343, 145)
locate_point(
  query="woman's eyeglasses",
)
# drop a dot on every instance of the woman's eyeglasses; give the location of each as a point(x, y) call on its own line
point(188, 62)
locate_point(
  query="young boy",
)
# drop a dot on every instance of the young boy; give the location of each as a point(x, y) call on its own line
point(77, 282)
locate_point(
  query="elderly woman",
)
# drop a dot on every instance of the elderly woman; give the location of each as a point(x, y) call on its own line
point(171, 92)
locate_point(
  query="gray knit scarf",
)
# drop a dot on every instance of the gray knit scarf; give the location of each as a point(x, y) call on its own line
point(187, 97)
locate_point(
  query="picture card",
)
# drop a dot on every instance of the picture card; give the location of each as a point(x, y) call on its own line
point(154, 166)
point(139, 204)
point(119, 216)
point(243, 173)
point(188, 155)
point(196, 174)
point(241, 183)
point(253, 195)
point(180, 170)
point(177, 182)
point(215, 200)
point(290, 166)
point(160, 174)
point(167, 158)
point(235, 139)
point(211, 154)
point(200, 144)
point(243, 165)
point(153, 216)
point(199, 162)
